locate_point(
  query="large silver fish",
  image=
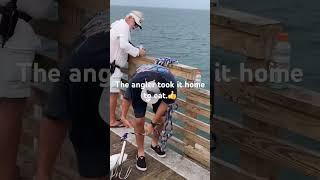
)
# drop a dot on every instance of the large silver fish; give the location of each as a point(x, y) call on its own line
point(115, 160)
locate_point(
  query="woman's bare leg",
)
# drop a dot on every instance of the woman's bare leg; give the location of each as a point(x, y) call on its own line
point(52, 135)
point(11, 112)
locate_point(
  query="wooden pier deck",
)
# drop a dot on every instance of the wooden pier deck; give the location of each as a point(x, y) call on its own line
point(156, 170)
point(174, 166)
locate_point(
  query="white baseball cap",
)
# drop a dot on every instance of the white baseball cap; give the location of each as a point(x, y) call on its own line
point(138, 17)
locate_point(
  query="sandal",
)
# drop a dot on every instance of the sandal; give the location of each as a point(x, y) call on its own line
point(120, 125)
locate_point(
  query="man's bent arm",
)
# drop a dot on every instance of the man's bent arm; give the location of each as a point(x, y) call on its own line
point(130, 49)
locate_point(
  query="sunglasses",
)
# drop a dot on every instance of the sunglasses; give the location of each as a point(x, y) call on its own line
point(136, 25)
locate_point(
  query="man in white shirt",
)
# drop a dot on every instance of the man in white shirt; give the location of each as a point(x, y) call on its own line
point(120, 48)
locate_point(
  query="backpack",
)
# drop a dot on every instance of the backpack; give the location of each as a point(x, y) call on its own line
point(10, 15)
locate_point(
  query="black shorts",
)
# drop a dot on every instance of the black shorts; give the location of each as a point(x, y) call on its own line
point(77, 103)
point(138, 105)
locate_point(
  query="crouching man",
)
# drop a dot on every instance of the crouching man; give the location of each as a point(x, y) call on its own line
point(159, 89)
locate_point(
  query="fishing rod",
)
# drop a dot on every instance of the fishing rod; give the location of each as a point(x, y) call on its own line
point(116, 171)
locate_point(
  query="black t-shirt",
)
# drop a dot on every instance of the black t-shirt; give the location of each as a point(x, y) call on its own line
point(78, 101)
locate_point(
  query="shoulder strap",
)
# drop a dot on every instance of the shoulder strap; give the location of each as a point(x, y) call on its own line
point(10, 16)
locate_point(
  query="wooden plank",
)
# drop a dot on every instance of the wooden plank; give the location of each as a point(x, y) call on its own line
point(244, 22)
point(262, 110)
point(177, 143)
point(190, 121)
point(295, 98)
point(238, 42)
point(229, 90)
point(198, 155)
point(201, 93)
point(92, 5)
point(191, 135)
point(295, 109)
point(224, 170)
point(190, 114)
point(201, 96)
point(267, 147)
point(243, 33)
point(197, 124)
point(184, 71)
point(255, 164)
point(193, 108)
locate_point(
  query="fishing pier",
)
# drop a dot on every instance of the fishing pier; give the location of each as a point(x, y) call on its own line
point(267, 115)
point(188, 156)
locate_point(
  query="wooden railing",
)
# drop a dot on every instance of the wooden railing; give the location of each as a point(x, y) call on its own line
point(193, 103)
point(266, 113)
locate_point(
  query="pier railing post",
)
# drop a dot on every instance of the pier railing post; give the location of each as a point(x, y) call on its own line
point(261, 167)
point(187, 140)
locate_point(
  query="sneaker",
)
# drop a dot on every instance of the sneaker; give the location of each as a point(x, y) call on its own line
point(141, 163)
point(159, 151)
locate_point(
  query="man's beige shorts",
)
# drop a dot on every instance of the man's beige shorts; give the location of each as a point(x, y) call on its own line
point(115, 84)
point(15, 73)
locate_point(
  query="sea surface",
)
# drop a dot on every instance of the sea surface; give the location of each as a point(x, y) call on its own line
point(178, 33)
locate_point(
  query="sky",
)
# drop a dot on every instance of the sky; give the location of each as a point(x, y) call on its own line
point(180, 4)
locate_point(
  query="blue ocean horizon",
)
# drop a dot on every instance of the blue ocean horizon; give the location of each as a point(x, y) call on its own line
point(183, 34)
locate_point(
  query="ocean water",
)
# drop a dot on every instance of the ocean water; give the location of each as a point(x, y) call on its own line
point(301, 19)
point(179, 33)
